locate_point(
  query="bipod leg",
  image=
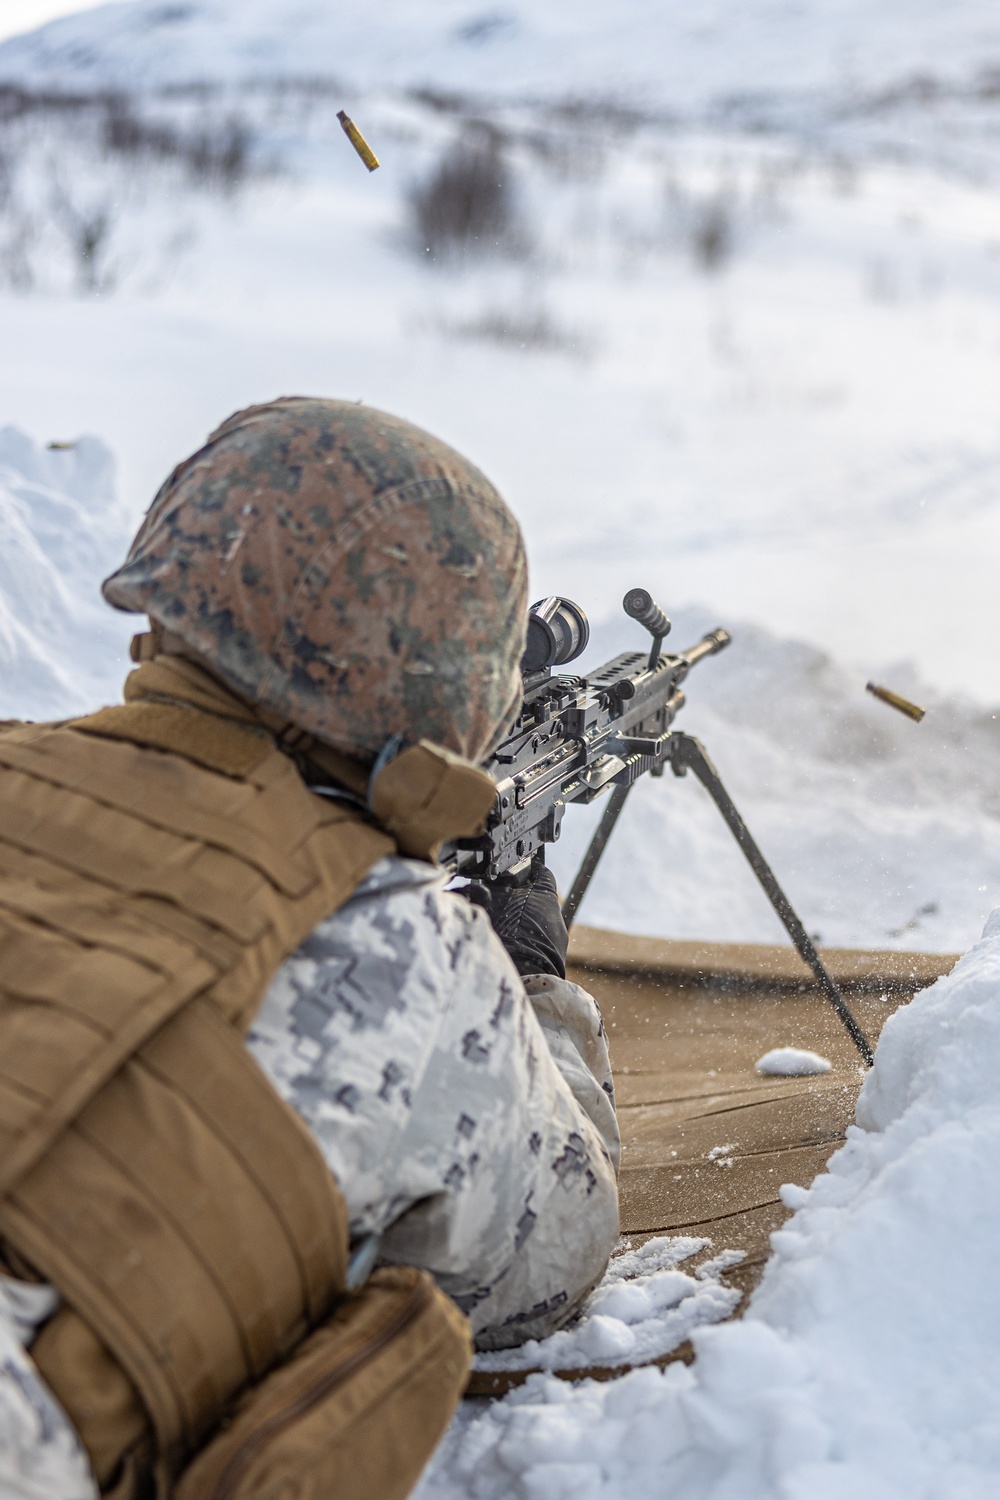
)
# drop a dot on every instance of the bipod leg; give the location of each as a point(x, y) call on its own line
point(689, 753)
point(595, 849)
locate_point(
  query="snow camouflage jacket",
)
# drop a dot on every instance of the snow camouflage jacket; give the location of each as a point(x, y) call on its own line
point(466, 1112)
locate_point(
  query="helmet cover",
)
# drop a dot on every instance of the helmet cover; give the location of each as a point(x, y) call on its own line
point(344, 569)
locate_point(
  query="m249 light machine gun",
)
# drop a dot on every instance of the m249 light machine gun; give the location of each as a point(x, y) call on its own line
point(578, 737)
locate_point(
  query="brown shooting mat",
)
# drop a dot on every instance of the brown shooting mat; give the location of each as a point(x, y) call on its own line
point(687, 1022)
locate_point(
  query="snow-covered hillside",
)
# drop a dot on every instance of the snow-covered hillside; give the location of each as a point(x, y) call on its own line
point(803, 433)
point(661, 53)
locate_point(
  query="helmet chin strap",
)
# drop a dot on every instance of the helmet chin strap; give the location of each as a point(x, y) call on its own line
point(422, 794)
point(351, 769)
point(392, 747)
point(157, 641)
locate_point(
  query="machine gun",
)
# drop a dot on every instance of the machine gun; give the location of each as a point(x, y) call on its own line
point(576, 738)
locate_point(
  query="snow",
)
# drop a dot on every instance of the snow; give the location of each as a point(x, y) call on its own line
point(792, 1062)
point(643, 1308)
point(867, 1365)
point(800, 442)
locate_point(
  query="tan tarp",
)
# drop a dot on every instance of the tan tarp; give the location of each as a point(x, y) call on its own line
point(687, 1021)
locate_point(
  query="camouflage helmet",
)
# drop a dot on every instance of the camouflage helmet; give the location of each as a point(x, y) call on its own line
point(342, 569)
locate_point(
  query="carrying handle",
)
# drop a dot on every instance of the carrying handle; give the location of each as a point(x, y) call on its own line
point(640, 605)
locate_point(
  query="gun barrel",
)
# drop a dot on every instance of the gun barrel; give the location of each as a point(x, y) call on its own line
point(709, 645)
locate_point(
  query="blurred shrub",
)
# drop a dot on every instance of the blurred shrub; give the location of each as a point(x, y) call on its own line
point(529, 328)
point(80, 175)
point(713, 233)
point(712, 223)
point(87, 225)
point(467, 207)
point(214, 152)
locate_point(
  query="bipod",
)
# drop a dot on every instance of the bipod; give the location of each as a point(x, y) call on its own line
point(689, 754)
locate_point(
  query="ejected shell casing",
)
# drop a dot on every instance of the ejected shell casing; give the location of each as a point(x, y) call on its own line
point(903, 705)
point(357, 140)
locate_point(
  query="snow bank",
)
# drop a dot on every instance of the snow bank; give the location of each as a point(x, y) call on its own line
point(868, 1364)
point(884, 833)
point(61, 531)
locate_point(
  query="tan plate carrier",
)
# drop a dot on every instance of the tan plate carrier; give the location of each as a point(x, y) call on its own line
point(158, 861)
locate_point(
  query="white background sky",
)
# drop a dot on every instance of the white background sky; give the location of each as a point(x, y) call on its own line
point(25, 15)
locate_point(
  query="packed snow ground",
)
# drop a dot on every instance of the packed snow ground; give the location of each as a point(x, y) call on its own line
point(643, 1307)
point(867, 1365)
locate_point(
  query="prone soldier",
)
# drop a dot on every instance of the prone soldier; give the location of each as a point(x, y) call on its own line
point(251, 1046)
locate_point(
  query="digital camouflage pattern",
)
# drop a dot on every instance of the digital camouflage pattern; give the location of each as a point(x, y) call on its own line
point(343, 569)
point(41, 1456)
point(467, 1114)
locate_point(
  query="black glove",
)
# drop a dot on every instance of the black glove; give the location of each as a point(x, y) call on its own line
point(528, 920)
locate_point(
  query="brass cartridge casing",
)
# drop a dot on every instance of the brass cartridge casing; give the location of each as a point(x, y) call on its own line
point(902, 705)
point(357, 140)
